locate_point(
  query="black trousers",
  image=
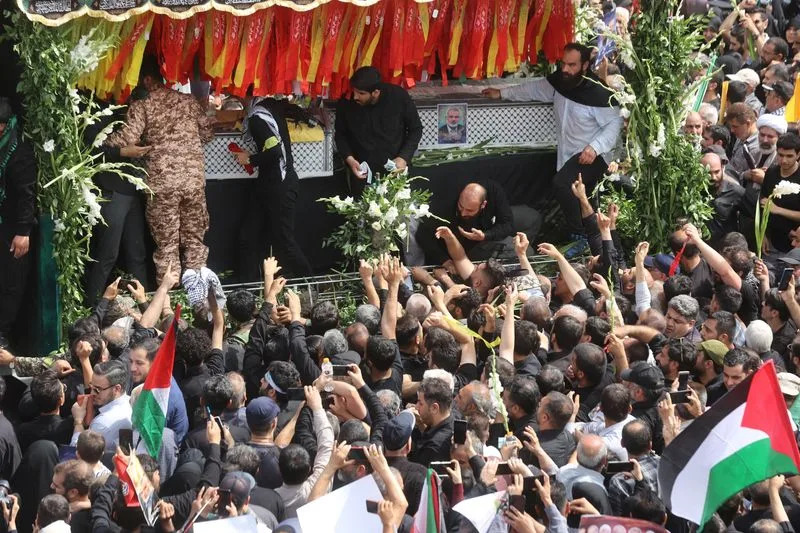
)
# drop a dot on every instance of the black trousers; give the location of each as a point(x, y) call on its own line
point(13, 279)
point(124, 232)
point(562, 189)
point(270, 213)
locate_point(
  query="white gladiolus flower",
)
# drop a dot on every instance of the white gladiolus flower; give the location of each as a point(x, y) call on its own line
point(92, 205)
point(347, 201)
point(391, 215)
point(381, 189)
point(59, 226)
point(83, 57)
point(49, 146)
point(102, 136)
point(402, 232)
point(374, 210)
point(624, 112)
point(107, 112)
point(376, 226)
point(73, 94)
point(785, 187)
point(613, 177)
point(404, 194)
point(423, 211)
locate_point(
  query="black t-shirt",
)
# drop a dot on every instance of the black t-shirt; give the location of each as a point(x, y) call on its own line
point(81, 521)
point(395, 381)
point(781, 339)
point(413, 475)
point(702, 280)
point(49, 427)
point(433, 444)
point(751, 299)
point(269, 500)
point(780, 226)
point(414, 366)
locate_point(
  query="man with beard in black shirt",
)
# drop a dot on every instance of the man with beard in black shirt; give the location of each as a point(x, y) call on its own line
point(379, 123)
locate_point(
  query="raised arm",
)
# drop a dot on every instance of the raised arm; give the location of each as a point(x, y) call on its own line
point(717, 263)
point(153, 312)
point(393, 272)
point(463, 265)
point(507, 336)
point(643, 297)
point(572, 279)
point(365, 270)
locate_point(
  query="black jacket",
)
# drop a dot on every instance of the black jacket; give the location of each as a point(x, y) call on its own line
point(18, 209)
point(496, 220)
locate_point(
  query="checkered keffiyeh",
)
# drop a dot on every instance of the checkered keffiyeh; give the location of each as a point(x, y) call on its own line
point(197, 284)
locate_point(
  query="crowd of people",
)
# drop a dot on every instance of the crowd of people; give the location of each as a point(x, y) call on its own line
point(552, 389)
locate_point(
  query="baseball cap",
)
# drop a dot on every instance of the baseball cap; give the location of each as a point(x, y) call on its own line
point(746, 75)
point(398, 430)
point(789, 383)
point(791, 258)
point(346, 358)
point(784, 89)
point(261, 411)
point(714, 350)
point(660, 261)
point(645, 375)
point(240, 484)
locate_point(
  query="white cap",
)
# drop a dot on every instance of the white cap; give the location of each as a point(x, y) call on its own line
point(747, 75)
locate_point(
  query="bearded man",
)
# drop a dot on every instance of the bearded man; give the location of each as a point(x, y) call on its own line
point(587, 128)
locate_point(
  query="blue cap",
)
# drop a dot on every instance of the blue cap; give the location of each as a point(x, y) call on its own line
point(662, 262)
point(261, 411)
point(398, 430)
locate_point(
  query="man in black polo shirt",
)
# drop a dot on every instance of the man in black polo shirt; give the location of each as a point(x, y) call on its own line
point(521, 400)
point(396, 447)
point(432, 438)
point(646, 383)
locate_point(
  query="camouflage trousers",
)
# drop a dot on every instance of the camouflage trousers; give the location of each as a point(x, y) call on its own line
point(178, 220)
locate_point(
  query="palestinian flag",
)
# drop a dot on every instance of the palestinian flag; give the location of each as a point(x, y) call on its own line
point(430, 515)
point(150, 410)
point(744, 438)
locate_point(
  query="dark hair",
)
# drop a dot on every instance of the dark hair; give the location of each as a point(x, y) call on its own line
point(241, 305)
point(558, 493)
point(682, 352)
point(380, 352)
point(645, 505)
point(780, 71)
point(728, 298)
point(591, 360)
point(537, 311)
point(324, 316)
point(52, 508)
point(754, 362)
point(285, 376)
point(217, 393)
point(567, 331)
point(314, 345)
point(559, 408)
point(407, 328)
point(150, 347)
point(598, 329)
point(442, 348)
point(739, 258)
point(637, 351)
point(737, 93)
point(773, 299)
point(584, 51)
point(726, 323)
point(95, 340)
point(46, 391)
point(550, 379)
point(718, 133)
point(80, 327)
point(114, 371)
point(77, 476)
point(294, 464)
point(505, 371)
point(437, 390)
point(467, 301)
point(91, 445)
point(637, 438)
point(677, 285)
point(780, 45)
point(525, 393)
point(615, 402)
point(276, 346)
point(495, 272)
point(151, 68)
point(789, 141)
point(352, 431)
point(526, 337)
point(245, 458)
point(736, 357)
point(192, 346)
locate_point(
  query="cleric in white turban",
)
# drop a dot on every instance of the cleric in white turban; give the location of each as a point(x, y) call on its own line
point(774, 122)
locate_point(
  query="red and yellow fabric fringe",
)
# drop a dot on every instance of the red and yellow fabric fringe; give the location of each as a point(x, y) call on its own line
point(276, 48)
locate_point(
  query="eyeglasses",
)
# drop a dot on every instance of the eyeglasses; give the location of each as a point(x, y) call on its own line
point(95, 390)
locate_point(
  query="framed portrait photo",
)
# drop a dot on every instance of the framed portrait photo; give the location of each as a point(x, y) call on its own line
point(452, 123)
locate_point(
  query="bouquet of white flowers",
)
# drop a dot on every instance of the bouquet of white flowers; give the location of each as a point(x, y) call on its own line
point(783, 188)
point(379, 220)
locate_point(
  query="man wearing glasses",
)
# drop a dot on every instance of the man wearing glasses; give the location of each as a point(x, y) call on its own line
point(110, 402)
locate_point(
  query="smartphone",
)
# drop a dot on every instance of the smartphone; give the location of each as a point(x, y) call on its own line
point(65, 453)
point(372, 507)
point(683, 380)
point(528, 482)
point(786, 276)
point(126, 440)
point(340, 370)
point(440, 467)
point(517, 501)
point(224, 501)
point(615, 467)
point(459, 431)
point(122, 284)
point(503, 469)
point(356, 453)
point(296, 394)
point(681, 396)
point(327, 402)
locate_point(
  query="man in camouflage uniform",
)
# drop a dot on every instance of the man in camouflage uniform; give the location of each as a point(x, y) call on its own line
point(176, 127)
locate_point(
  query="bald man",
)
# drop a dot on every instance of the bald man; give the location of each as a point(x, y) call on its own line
point(484, 224)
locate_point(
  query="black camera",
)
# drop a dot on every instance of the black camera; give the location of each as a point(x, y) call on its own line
point(5, 490)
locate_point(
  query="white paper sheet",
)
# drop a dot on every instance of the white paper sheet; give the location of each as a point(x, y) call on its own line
point(481, 511)
point(338, 511)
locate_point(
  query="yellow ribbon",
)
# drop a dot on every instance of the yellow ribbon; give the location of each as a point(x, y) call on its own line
point(466, 331)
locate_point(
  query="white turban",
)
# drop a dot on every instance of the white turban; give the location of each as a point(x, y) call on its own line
point(774, 122)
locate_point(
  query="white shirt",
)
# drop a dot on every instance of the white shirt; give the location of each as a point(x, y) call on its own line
point(577, 125)
point(611, 435)
point(112, 417)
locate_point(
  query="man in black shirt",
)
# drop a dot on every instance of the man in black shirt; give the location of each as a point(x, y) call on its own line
point(47, 393)
point(434, 424)
point(646, 383)
point(589, 373)
point(785, 210)
point(217, 396)
point(378, 124)
point(396, 446)
point(521, 400)
point(382, 354)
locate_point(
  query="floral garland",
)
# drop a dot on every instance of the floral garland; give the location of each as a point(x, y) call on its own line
point(56, 118)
